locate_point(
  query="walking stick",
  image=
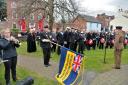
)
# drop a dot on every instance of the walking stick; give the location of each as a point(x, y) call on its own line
point(105, 48)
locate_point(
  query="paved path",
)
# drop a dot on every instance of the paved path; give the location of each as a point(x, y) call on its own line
point(113, 77)
point(36, 65)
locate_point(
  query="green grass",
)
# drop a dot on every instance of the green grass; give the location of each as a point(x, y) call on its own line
point(22, 73)
point(94, 58)
point(22, 50)
point(39, 53)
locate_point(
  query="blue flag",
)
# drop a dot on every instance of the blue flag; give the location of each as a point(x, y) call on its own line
point(69, 67)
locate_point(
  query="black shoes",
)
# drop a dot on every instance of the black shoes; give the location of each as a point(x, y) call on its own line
point(47, 65)
point(8, 83)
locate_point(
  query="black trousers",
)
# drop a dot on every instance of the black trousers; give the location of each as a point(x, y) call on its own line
point(67, 45)
point(101, 46)
point(46, 53)
point(10, 66)
point(58, 49)
point(54, 47)
point(72, 46)
point(81, 48)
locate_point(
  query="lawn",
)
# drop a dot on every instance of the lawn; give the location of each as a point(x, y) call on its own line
point(93, 62)
point(94, 58)
point(22, 73)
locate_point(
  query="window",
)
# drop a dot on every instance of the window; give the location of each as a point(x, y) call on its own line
point(32, 17)
point(14, 25)
point(13, 5)
point(97, 25)
point(14, 14)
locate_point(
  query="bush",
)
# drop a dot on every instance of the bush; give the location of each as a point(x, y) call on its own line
point(15, 31)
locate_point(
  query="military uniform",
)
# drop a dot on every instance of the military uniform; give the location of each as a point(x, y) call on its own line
point(118, 45)
point(46, 46)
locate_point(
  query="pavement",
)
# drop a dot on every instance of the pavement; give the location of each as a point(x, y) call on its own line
point(113, 77)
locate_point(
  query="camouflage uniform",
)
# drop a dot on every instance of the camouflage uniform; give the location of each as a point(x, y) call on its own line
point(119, 39)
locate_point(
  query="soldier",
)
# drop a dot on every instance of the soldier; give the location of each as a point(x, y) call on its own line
point(46, 45)
point(118, 46)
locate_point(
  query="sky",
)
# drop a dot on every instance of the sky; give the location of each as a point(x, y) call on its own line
point(106, 5)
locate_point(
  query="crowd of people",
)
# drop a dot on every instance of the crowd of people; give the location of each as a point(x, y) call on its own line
point(71, 38)
point(76, 40)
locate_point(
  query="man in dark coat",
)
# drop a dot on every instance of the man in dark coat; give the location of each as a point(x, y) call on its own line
point(66, 37)
point(81, 44)
point(73, 39)
point(9, 53)
point(94, 40)
point(54, 40)
point(31, 41)
point(60, 40)
point(89, 41)
point(46, 45)
point(101, 40)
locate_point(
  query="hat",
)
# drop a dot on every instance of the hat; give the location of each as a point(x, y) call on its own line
point(118, 27)
point(68, 28)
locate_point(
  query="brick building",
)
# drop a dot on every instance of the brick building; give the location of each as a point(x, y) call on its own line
point(86, 23)
point(13, 17)
point(105, 21)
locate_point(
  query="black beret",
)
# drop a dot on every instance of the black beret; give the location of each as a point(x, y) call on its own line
point(118, 27)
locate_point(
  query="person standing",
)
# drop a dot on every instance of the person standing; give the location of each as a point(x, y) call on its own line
point(66, 37)
point(60, 40)
point(118, 46)
point(54, 40)
point(9, 53)
point(45, 38)
point(81, 45)
point(101, 40)
point(31, 41)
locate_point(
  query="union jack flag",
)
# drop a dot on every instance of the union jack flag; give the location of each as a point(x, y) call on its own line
point(77, 63)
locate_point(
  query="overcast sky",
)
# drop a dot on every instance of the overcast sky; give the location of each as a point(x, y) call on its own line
point(107, 5)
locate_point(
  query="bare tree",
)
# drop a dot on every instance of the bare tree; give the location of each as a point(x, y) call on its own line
point(53, 10)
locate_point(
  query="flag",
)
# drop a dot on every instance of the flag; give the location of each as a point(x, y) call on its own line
point(41, 24)
point(69, 67)
point(23, 25)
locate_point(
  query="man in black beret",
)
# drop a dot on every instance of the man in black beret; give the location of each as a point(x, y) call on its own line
point(45, 38)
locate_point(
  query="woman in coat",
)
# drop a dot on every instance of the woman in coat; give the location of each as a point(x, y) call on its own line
point(9, 53)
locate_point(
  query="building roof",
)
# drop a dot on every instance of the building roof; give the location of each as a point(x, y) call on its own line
point(89, 18)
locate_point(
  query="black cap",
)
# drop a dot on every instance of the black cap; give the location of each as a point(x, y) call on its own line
point(118, 27)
